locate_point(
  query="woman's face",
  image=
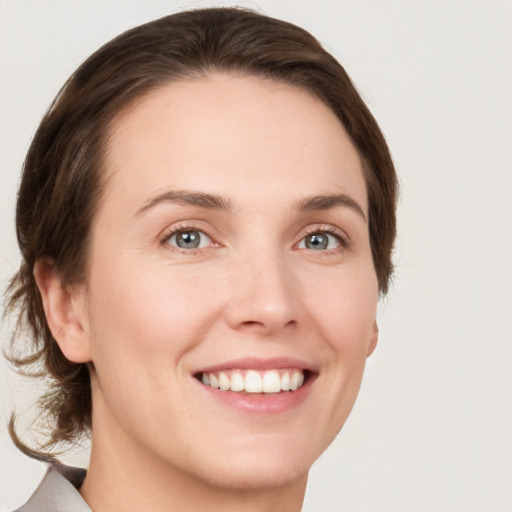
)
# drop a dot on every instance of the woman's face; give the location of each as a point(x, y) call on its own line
point(230, 249)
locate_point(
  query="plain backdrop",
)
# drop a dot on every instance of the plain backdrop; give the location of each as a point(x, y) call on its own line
point(432, 429)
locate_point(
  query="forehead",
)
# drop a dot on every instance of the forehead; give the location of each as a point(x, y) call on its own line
point(234, 136)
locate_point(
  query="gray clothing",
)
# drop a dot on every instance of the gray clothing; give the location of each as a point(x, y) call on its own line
point(58, 492)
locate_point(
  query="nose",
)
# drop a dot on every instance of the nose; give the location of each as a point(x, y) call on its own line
point(263, 295)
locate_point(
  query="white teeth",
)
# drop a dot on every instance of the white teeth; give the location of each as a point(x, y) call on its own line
point(237, 382)
point(214, 382)
point(224, 381)
point(295, 380)
point(285, 382)
point(271, 381)
point(253, 382)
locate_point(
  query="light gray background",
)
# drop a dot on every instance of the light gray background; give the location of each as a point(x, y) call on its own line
point(432, 429)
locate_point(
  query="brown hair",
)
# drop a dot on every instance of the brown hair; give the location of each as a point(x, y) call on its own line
point(61, 183)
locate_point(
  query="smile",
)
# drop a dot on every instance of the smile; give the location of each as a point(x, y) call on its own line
point(255, 381)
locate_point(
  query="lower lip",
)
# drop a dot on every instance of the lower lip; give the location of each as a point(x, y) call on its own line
point(256, 403)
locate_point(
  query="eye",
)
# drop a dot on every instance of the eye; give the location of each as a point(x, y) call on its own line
point(189, 239)
point(320, 241)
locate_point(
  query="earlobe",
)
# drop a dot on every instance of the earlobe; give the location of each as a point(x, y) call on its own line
point(373, 340)
point(65, 312)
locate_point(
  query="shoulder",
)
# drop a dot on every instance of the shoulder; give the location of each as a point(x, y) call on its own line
point(58, 492)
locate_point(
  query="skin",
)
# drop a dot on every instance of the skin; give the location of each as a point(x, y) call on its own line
point(152, 314)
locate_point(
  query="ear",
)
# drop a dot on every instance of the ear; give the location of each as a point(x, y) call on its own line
point(373, 340)
point(65, 312)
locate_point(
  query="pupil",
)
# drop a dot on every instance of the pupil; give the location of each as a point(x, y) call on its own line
point(188, 240)
point(316, 242)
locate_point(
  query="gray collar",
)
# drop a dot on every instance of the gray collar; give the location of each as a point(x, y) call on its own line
point(58, 492)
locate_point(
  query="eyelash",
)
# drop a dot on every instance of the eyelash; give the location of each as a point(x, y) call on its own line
point(341, 237)
point(184, 228)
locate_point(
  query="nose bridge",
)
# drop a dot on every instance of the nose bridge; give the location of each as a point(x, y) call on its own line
point(262, 291)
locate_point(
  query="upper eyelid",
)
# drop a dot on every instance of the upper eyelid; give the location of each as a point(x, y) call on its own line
point(325, 228)
point(341, 235)
point(163, 240)
point(174, 232)
point(184, 226)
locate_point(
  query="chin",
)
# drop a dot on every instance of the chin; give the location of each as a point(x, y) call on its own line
point(259, 476)
point(259, 467)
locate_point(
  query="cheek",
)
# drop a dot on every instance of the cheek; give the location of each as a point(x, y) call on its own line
point(341, 315)
point(150, 311)
point(141, 326)
point(344, 308)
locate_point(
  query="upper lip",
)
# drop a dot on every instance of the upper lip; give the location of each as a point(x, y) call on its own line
point(255, 363)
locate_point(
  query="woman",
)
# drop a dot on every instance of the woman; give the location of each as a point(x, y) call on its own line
point(206, 218)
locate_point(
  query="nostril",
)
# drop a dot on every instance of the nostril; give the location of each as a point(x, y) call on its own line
point(263, 325)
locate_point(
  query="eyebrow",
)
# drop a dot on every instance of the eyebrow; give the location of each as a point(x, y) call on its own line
point(326, 202)
point(215, 202)
point(186, 197)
